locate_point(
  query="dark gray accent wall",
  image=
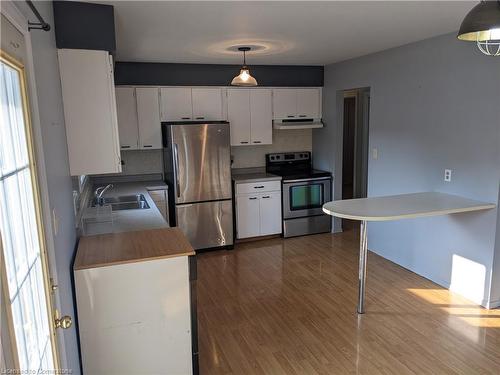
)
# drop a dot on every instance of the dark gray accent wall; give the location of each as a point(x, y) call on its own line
point(169, 74)
point(435, 104)
point(84, 26)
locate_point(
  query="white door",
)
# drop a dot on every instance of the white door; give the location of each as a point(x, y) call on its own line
point(23, 257)
point(284, 103)
point(238, 113)
point(261, 115)
point(247, 216)
point(176, 104)
point(148, 111)
point(127, 117)
point(270, 213)
point(308, 103)
point(207, 104)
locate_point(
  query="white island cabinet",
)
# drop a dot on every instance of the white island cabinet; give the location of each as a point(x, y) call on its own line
point(136, 300)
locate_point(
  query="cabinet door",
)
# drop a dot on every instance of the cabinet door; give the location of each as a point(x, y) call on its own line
point(127, 117)
point(176, 104)
point(284, 103)
point(238, 113)
point(207, 104)
point(90, 111)
point(148, 113)
point(261, 116)
point(270, 213)
point(247, 216)
point(308, 103)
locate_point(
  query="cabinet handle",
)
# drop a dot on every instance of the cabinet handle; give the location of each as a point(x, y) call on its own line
point(266, 196)
point(185, 118)
point(257, 142)
point(259, 187)
point(125, 147)
point(244, 143)
point(302, 115)
point(252, 198)
point(200, 118)
point(147, 146)
point(290, 116)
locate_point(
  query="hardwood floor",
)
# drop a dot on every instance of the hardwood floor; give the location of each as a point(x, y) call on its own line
point(288, 307)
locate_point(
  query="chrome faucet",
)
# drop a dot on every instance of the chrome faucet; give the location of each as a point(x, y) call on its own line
point(99, 192)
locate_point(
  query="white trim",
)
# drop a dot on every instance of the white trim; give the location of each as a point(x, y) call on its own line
point(14, 15)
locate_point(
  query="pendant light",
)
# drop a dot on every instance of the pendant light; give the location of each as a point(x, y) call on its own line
point(244, 78)
point(482, 25)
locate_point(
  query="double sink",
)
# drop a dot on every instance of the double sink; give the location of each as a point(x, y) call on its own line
point(124, 202)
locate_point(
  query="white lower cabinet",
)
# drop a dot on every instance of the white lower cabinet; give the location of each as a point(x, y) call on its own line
point(258, 214)
point(135, 318)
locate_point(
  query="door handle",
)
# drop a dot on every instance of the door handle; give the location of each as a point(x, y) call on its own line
point(176, 170)
point(64, 322)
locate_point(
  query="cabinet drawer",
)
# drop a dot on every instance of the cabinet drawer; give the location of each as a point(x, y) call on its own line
point(258, 187)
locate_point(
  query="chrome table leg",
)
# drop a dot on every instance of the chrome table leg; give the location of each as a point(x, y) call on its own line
point(363, 249)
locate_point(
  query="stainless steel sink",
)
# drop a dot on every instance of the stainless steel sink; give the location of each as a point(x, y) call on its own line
point(124, 202)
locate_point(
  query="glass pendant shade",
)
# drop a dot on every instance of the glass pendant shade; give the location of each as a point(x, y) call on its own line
point(244, 78)
point(482, 25)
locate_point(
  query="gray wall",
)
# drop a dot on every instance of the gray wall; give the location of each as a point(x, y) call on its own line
point(56, 164)
point(435, 104)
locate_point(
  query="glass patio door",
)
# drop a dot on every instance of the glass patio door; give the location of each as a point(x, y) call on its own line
point(23, 263)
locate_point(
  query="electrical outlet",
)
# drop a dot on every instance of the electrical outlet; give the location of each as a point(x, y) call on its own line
point(447, 175)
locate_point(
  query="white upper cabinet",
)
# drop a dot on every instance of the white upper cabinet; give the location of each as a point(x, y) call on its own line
point(238, 113)
point(250, 116)
point(207, 104)
point(191, 104)
point(148, 113)
point(308, 103)
point(90, 115)
point(176, 104)
point(261, 116)
point(127, 117)
point(296, 103)
point(284, 103)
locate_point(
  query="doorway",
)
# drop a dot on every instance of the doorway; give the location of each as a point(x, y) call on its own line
point(25, 296)
point(356, 111)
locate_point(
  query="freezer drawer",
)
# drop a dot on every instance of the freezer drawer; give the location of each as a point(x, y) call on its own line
point(206, 224)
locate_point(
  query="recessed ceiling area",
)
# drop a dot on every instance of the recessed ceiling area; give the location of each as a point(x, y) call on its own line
point(300, 32)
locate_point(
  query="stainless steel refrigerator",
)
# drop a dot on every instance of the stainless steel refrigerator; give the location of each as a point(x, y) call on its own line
point(197, 164)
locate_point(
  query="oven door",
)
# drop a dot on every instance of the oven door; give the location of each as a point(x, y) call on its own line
point(305, 197)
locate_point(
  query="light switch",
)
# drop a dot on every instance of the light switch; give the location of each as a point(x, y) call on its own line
point(375, 153)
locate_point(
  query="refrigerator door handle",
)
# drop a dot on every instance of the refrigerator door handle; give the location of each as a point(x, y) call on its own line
point(176, 170)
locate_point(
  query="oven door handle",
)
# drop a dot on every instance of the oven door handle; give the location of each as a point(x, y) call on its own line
point(307, 180)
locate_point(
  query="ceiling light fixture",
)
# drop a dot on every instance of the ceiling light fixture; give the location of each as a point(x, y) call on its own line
point(482, 25)
point(244, 78)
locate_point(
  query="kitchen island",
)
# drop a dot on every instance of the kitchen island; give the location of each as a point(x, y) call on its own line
point(136, 302)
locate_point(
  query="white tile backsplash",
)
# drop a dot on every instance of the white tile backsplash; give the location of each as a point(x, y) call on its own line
point(283, 141)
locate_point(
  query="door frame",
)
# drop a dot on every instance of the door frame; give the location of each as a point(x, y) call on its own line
point(10, 11)
point(339, 138)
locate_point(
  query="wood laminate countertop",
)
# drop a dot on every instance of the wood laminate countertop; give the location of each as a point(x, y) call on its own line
point(129, 247)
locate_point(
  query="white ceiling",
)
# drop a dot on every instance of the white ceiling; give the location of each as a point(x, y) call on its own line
point(300, 32)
